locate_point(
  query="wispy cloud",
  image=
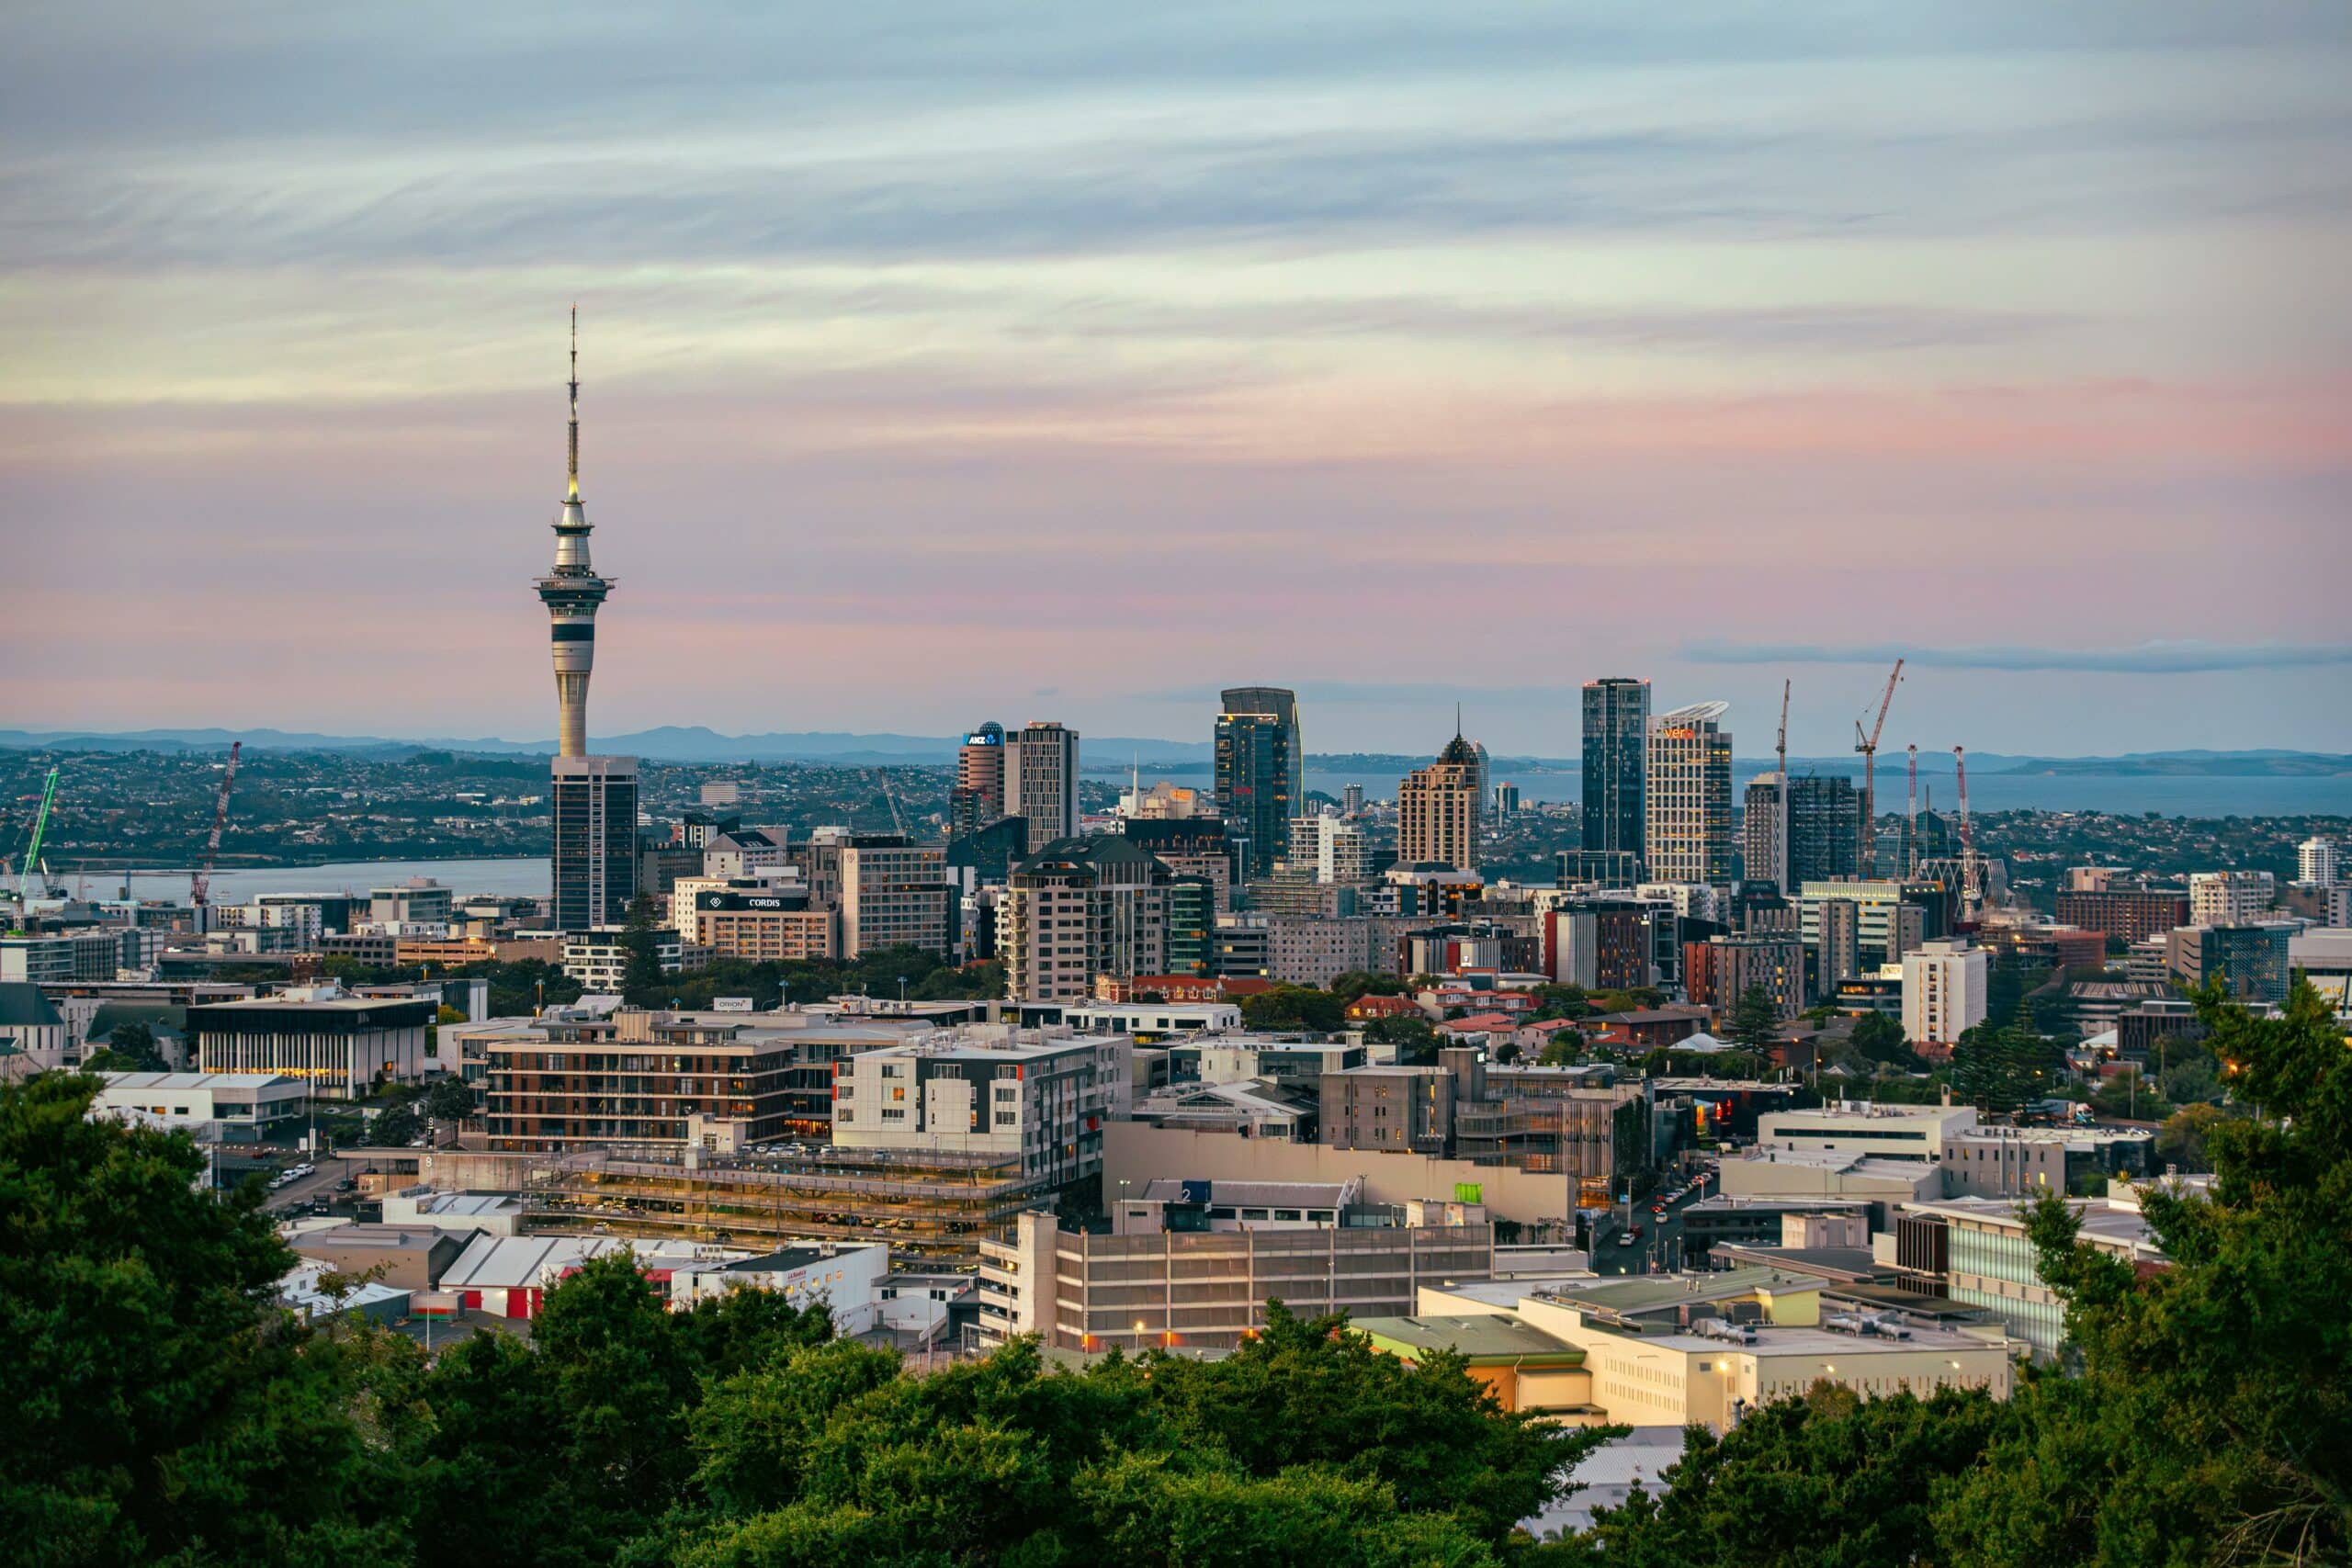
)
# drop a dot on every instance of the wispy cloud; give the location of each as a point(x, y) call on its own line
point(2187, 657)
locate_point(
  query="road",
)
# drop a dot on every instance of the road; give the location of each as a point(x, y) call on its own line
point(1659, 1243)
point(319, 1183)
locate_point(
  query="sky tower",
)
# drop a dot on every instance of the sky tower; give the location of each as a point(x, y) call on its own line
point(572, 592)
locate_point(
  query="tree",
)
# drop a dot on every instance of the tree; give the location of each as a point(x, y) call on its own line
point(1879, 1039)
point(1755, 1018)
point(1355, 983)
point(133, 1041)
point(1564, 1049)
point(2125, 1096)
point(641, 978)
point(449, 1099)
point(1559, 1001)
point(160, 1408)
point(2001, 1068)
point(1414, 1037)
point(1294, 1006)
point(395, 1127)
point(2183, 1139)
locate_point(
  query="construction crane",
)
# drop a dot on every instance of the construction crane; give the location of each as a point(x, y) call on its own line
point(897, 821)
point(1868, 747)
point(32, 853)
point(1911, 815)
point(1972, 892)
point(199, 882)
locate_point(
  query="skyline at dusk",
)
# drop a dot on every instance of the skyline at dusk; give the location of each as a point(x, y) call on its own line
point(1059, 365)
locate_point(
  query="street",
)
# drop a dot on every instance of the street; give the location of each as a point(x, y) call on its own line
point(1660, 1243)
point(319, 1183)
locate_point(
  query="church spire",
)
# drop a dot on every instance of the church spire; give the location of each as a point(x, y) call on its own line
point(572, 466)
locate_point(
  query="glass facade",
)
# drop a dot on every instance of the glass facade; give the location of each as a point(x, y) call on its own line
point(1616, 717)
point(1260, 777)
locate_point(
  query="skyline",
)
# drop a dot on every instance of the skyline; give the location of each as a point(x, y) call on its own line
point(1078, 369)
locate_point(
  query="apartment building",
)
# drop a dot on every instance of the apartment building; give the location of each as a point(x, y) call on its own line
point(1943, 994)
point(1078, 908)
point(633, 1078)
point(1040, 1101)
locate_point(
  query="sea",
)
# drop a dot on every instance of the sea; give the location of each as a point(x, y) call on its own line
point(2169, 796)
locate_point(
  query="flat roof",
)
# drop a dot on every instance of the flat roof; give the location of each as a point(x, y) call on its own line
point(1482, 1337)
point(215, 1081)
point(1254, 1194)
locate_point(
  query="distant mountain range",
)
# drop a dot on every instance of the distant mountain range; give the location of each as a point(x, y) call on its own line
point(1104, 755)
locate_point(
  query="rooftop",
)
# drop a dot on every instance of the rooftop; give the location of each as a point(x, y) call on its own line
point(1484, 1337)
point(217, 1082)
point(1251, 1194)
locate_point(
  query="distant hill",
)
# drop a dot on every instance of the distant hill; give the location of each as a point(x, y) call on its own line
point(1104, 755)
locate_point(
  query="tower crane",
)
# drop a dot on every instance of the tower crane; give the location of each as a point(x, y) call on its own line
point(1867, 745)
point(32, 853)
point(897, 821)
point(199, 882)
point(1911, 815)
point(1971, 891)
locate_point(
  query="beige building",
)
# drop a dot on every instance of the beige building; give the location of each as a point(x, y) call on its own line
point(1682, 1350)
point(1436, 810)
point(1155, 1288)
point(1686, 800)
point(893, 894)
point(762, 927)
point(1041, 1101)
point(1080, 908)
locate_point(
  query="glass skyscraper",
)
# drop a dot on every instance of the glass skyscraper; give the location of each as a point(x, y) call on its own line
point(1261, 772)
point(1616, 720)
point(595, 841)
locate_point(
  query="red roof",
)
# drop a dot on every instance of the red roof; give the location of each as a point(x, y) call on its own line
point(1370, 1006)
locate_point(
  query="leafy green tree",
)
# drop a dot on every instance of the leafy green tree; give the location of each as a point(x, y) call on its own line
point(2125, 1094)
point(161, 1409)
point(1559, 1001)
point(1414, 1037)
point(447, 1099)
point(1355, 983)
point(1294, 1006)
point(1755, 1018)
point(1879, 1039)
point(398, 1126)
point(133, 1041)
point(2185, 1137)
point(1564, 1049)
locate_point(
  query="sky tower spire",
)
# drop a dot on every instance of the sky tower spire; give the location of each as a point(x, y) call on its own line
point(572, 592)
point(571, 463)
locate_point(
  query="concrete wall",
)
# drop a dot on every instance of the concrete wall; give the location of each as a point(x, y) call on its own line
point(1135, 1152)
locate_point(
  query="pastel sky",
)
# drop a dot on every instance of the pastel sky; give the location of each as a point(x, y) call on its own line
point(952, 361)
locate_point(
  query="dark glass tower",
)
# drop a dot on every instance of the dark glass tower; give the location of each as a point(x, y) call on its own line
point(1824, 823)
point(1261, 772)
point(1616, 718)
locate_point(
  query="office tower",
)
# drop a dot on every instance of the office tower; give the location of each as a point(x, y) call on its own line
point(1041, 780)
point(595, 862)
point(1193, 904)
point(1764, 831)
point(977, 798)
point(1686, 780)
point(1506, 800)
point(1193, 846)
point(893, 894)
point(1260, 772)
point(1824, 824)
point(1080, 908)
point(2316, 862)
point(1616, 726)
point(2132, 913)
point(2229, 897)
point(1436, 810)
point(1717, 972)
point(1352, 800)
point(572, 592)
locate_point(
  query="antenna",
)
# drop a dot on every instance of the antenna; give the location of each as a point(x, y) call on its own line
point(571, 466)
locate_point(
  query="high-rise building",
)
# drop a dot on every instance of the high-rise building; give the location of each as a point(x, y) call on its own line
point(595, 860)
point(2252, 962)
point(1686, 787)
point(1260, 772)
point(893, 894)
point(1719, 970)
point(1764, 831)
point(2132, 913)
point(1352, 800)
point(1506, 800)
point(1943, 994)
point(1041, 780)
point(1825, 823)
point(1436, 810)
point(2316, 862)
point(1080, 908)
point(977, 798)
point(572, 592)
point(1838, 954)
point(1616, 724)
point(2229, 897)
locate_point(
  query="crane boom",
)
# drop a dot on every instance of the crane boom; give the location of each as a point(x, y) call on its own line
point(1867, 856)
point(199, 888)
point(41, 826)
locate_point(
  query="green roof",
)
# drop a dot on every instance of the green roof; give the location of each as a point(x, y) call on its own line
point(1486, 1338)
